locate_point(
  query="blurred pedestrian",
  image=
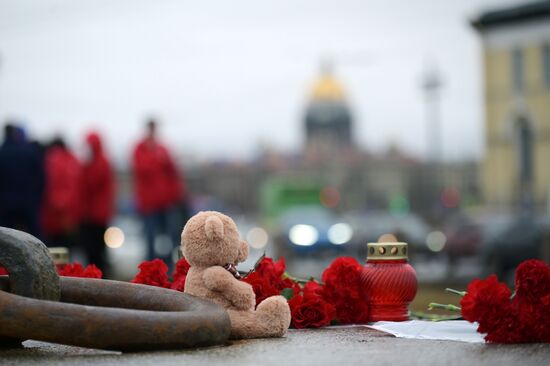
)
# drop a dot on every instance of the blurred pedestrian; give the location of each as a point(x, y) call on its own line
point(61, 204)
point(158, 192)
point(97, 201)
point(21, 182)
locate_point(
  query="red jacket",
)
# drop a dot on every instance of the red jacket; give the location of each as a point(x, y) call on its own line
point(61, 203)
point(157, 184)
point(97, 185)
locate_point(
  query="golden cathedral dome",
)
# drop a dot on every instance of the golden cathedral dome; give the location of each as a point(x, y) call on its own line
point(328, 120)
point(329, 88)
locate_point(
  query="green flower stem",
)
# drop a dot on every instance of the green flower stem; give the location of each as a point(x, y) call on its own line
point(301, 281)
point(456, 292)
point(448, 307)
point(433, 317)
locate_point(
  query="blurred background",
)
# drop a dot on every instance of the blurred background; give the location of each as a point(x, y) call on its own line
point(318, 126)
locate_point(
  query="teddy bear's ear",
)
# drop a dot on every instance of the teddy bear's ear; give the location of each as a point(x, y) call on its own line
point(214, 228)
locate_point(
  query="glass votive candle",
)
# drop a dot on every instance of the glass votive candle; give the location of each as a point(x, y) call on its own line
point(389, 281)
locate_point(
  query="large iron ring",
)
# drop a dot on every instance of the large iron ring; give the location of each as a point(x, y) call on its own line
point(114, 315)
point(96, 313)
point(32, 272)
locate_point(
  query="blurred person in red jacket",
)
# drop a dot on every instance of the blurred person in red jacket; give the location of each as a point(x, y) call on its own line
point(158, 193)
point(97, 201)
point(60, 214)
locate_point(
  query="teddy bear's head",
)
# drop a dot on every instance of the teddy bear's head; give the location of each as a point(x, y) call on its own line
point(211, 238)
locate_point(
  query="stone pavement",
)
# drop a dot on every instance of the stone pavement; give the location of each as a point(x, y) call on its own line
point(329, 346)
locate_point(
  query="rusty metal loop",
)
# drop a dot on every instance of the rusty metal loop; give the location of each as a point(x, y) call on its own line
point(31, 268)
point(96, 313)
point(114, 315)
point(32, 272)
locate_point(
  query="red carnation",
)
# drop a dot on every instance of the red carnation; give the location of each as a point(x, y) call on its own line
point(485, 302)
point(92, 271)
point(77, 270)
point(532, 300)
point(153, 273)
point(343, 290)
point(3, 271)
point(180, 275)
point(352, 311)
point(532, 280)
point(505, 326)
point(310, 310)
point(70, 269)
point(544, 310)
point(271, 270)
point(343, 274)
point(313, 288)
point(523, 318)
point(267, 279)
point(263, 287)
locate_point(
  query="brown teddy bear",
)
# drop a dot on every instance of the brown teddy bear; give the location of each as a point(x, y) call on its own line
point(212, 246)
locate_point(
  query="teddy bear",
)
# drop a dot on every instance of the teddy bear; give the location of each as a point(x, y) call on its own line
point(212, 246)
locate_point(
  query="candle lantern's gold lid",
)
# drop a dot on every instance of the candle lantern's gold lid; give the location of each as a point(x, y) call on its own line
point(60, 255)
point(387, 251)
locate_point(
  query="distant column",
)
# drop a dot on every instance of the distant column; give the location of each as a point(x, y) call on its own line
point(431, 86)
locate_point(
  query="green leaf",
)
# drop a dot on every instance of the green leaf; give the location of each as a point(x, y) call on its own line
point(287, 293)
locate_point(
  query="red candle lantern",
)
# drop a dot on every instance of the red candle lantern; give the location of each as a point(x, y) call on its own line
point(389, 281)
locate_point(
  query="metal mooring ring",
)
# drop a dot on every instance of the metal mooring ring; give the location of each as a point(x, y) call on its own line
point(124, 317)
point(32, 272)
point(96, 313)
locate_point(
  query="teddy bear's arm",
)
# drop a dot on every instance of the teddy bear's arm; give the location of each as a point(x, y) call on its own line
point(239, 293)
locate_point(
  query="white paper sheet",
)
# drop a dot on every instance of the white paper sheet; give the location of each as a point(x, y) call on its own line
point(453, 330)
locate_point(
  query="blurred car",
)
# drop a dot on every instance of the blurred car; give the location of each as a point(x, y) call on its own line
point(467, 237)
point(463, 240)
point(304, 230)
point(374, 226)
point(522, 238)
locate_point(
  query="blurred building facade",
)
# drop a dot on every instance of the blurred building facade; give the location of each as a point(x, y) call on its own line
point(516, 63)
point(391, 181)
point(357, 179)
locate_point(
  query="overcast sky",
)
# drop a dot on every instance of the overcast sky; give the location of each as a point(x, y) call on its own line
point(225, 77)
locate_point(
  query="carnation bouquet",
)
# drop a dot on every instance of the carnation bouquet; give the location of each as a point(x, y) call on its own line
point(502, 316)
point(505, 317)
point(337, 299)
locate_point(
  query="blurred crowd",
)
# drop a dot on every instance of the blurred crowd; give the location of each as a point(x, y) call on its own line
point(47, 191)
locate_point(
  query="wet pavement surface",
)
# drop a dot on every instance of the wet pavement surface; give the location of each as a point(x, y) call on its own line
point(328, 346)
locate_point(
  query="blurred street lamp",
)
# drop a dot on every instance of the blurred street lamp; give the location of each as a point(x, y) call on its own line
point(431, 86)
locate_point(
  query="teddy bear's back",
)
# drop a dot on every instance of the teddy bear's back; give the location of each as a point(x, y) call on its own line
point(194, 285)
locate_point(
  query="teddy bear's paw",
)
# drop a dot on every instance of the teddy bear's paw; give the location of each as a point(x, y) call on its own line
point(274, 313)
point(245, 300)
